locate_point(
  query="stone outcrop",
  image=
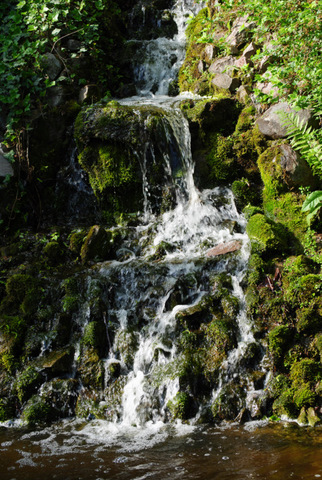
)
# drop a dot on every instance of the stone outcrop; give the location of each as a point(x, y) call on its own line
point(273, 123)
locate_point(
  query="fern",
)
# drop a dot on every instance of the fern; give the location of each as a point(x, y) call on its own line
point(306, 140)
point(312, 204)
point(309, 143)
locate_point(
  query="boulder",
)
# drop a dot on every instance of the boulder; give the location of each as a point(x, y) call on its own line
point(97, 245)
point(224, 248)
point(222, 65)
point(273, 122)
point(297, 171)
point(241, 31)
point(5, 167)
point(208, 53)
point(51, 65)
point(222, 80)
point(243, 94)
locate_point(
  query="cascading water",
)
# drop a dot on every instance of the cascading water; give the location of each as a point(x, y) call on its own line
point(170, 249)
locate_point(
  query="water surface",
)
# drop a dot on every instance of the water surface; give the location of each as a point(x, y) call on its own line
point(97, 450)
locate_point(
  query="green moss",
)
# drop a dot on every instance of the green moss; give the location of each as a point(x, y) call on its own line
point(309, 319)
point(181, 406)
point(221, 159)
point(23, 294)
point(245, 119)
point(37, 411)
point(304, 397)
point(243, 193)
point(305, 372)
point(7, 410)
point(284, 404)
point(256, 269)
point(319, 344)
point(271, 173)
point(91, 369)
point(98, 245)
point(76, 240)
point(27, 382)
point(54, 253)
point(279, 339)
point(266, 236)
point(95, 336)
point(287, 209)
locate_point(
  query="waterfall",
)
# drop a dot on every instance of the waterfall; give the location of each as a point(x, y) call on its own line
point(168, 294)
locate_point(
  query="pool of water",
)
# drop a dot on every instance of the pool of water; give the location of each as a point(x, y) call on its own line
point(96, 450)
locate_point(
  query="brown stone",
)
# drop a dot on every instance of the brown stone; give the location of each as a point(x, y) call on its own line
point(224, 248)
point(222, 80)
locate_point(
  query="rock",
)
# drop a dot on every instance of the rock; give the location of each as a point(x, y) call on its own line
point(97, 245)
point(222, 80)
point(241, 62)
point(5, 167)
point(200, 67)
point(243, 94)
point(208, 53)
point(56, 96)
point(222, 65)
point(264, 63)
point(224, 248)
point(302, 418)
point(58, 362)
point(241, 31)
point(312, 417)
point(51, 65)
point(273, 122)
point(267, 88)
point(245, 59)
point(298, 173)
point(249, 51)
point(74, 45)
point(89, 93)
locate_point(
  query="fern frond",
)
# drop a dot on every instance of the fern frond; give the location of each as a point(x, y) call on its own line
point(306, 140)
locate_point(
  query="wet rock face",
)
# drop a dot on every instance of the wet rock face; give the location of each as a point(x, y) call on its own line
point(131, 154)
point(151, 19)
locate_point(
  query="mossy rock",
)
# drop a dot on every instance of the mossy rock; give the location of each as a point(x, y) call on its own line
point(279, 340)
point(126, 343)
point(309, 319)
point(61, 395)
point(58, 362)
point(271, 173)
point(256, 269)
point(27, 382)
point(7, 409)
point(182, 406)
point(54, 253)
point(243, 193)
point(23, 294)
point(284, 404)
point(287, 210)
point(306, 372)
point(76, 240)
point(91, 369)
point(229, 403)
point(265, 235)
point(37, 411)
point(98, 245)
point(95, 336)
